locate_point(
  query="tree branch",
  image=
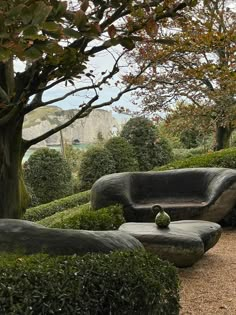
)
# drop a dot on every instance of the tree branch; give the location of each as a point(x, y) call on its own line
point(85, 110)
point(4, 96)
point(10, 115)
point(114, 70)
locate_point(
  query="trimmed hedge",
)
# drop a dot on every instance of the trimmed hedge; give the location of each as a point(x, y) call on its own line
point(46, 210)
point(224, 158)
point(96, 162)
point(48, 174)
point(123, 154)
point(98, 284)
point(150, 149)
point(83, 218)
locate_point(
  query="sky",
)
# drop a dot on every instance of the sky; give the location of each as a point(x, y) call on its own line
point(102, 62)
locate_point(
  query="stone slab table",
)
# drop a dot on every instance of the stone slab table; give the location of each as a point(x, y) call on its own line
point(182, 243)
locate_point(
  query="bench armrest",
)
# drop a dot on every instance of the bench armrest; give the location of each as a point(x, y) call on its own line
point(111, 189)
point(219, 184)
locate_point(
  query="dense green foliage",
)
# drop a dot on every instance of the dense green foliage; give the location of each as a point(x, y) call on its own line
point(116, 283)
point(73, 157)
point(189, 138)
point(46, 210)
point(150, 150)
point(180, 153)
point(83, 218)
point(123, 154)
point(48, 175)
point(96, 162)
point(224, 158)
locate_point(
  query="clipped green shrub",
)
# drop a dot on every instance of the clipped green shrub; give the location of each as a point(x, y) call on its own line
point(123, 154)
point(224, 158)
point(180, 154)
point(73, 157)
point(117, 283)
point(46, 210)
point(48, 174)
point(83, 218)
point(150, 149)
point(100, 284)
point(96, 162)
point(33, 199)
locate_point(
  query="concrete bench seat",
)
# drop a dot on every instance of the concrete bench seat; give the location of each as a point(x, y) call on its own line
point(185, 194)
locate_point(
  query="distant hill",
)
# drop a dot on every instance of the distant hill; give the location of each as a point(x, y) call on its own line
point(86, 130)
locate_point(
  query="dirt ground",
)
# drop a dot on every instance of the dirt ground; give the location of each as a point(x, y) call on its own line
point(209, 287)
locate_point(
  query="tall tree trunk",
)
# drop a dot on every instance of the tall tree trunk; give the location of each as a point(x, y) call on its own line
point(222, 137)
point(12, 190)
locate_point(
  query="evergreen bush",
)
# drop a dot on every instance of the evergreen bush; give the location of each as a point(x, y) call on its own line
point(96, 162)
point(150, 149)
point(99, 284)
point(123, 154)
point(48, 174)
point(46, 210)
point(224, 158)
point(83, 218)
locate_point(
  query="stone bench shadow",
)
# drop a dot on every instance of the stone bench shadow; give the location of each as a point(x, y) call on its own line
point(185, 194)
point(183, 243)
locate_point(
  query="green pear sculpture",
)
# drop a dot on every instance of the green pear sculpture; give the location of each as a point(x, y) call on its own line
point(162, 218)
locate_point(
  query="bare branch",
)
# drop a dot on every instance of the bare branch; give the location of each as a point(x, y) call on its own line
point(4, 96)
point(14, 110)
point(114, 70)
point(84, 111)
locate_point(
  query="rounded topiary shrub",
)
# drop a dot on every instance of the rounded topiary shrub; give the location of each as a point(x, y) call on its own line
point(123, 154)
point(96, 162)
point(48, 174)
point(97, 284)
point(150, 149)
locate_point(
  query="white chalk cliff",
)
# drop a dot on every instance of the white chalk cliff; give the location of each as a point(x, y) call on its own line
point(86, 130)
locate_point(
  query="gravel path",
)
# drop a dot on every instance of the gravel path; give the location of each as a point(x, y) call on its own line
point(209, 287)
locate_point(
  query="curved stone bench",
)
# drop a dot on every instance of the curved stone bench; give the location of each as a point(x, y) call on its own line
point(185, 194)
point(182, 244)
point(30, 238)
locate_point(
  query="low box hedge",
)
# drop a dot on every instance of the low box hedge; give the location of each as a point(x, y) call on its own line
point(48, 209)
point(224, 158)
point(96, 284)
point(83, 218)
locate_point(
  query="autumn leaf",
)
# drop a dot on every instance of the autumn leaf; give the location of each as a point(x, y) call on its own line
point(127, 43)
point(80, 18)
point(111, 31)
point(84, 5)
point(151, 27)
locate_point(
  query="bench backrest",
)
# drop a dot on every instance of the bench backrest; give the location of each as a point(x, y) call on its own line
point(171, 184)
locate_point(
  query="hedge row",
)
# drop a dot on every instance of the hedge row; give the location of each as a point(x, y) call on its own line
point(117, 283)
point(224, 158)
point(45, 210)
point(83, 218)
